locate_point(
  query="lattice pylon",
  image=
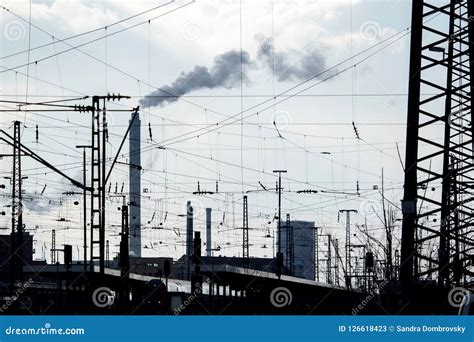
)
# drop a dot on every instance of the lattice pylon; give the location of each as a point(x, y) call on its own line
point(439, 172)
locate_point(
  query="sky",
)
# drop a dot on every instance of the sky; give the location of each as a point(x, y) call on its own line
point(265, 85)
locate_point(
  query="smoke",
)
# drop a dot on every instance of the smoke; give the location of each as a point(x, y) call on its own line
point(291, 65)
point(224, 73)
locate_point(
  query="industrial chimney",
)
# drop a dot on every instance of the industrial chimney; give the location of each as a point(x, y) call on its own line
point(189, 237)
point(189, 230)
point(135, 188)
point(208, 232)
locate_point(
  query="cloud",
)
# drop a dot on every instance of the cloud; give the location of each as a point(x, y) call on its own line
point(70, 16)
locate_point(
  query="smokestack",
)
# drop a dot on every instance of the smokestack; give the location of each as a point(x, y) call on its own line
point(208, 232)
point(135, 187)
point(189, 230)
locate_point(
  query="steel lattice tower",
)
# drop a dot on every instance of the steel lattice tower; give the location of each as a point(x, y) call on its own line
point(437, 241)
point(17, 209)
point(245, 230)
point(97, 186)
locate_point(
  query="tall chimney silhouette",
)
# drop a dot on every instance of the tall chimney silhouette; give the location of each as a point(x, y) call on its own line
point(189, 230)
point(189, 237)
point(208, 232)
point(135, 188)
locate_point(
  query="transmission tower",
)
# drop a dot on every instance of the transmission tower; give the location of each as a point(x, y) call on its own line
point(17, 209)
point(439, 174)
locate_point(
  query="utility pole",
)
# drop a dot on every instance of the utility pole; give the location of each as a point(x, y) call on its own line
point(279, 254)
point(348, 244)
point(290, 245)
point(16, 243)
point(316, 254)
point(388, 220)
point(107, 253)
point(245, 229)
point(98, 174)
point(53, 247)
point(96, 188)
point(329, 264)
point(336, 264)
point(84, 199)
point(124, 261)
point(124, 248)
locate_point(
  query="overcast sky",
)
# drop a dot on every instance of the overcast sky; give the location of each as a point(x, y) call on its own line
point(195, 49)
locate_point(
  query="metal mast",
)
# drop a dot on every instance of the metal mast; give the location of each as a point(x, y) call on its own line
point(290, 247)
point(436, 170)
point(348, 245)
point(245, 244)
point(53, 247)
point(99, 176)
point(97, 226)
point(316, 252)
point(279, 256)
point(17, 209)
point(329, 264)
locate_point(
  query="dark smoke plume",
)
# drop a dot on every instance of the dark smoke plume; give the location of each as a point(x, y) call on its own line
point(291, 65)
point(225, 73)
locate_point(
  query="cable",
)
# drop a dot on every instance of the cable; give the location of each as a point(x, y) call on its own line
point(74, 36)
point(96, 39)
point(220, 124)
